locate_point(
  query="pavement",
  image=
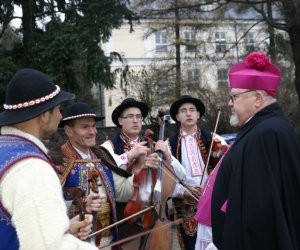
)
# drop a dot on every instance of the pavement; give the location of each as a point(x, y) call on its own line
point(175, 241)
point(133, 245)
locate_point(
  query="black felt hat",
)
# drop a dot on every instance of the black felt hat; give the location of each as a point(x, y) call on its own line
point(127, 103)
point(79, 110)
point(186, 99)
point(28, 94)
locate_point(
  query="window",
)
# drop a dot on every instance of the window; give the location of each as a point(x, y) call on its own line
point(163, 89)
point(162, 86)
point(222, 77)
point(161, 41)
point(249, 42)
point(220, 42)
point(193, 75)
point(190, 39)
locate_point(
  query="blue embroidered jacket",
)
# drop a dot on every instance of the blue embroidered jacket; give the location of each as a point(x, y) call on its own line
point(12, 150)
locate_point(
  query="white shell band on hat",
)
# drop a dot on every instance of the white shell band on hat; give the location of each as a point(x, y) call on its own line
point(78, 116)
point(33, 102)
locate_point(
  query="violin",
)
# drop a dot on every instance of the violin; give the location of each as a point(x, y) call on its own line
point(76, 195)
point(93, 186)
point(216, 153)
point(144, 181)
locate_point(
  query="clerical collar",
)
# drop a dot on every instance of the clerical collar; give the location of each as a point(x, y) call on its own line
point(248, 119)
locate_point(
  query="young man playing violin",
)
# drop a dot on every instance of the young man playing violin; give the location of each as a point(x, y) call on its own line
point(82, 165)
point(190, 145)
point(128, 148)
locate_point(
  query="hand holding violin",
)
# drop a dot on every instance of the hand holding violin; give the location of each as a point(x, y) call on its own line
point(151, 161)
point(81, 229)
point(220, 144)
point(139, 150)
point(196, 191)
point(94, 202)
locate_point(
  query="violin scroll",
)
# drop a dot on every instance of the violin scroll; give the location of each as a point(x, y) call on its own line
point(76, 196)
point(93, 186)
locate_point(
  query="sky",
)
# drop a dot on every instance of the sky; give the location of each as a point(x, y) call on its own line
point(17, 12)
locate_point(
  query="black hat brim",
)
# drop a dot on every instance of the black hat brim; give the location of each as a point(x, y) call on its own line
point(9, 117)
point(175, 106)
point(118, 110)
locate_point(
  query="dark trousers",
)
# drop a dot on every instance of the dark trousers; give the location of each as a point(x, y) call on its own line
point(188, 242)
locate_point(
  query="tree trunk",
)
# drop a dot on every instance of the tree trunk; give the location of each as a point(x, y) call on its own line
point(272, 48)
point(28, 23)
point(178, 59)
point(291, 14)
point(294, 33)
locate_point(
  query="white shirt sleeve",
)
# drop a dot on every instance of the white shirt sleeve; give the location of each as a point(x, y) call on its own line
point(32, 194)
point(124, 187)
point(178, 168)
point(121, 160)
point(180, 172)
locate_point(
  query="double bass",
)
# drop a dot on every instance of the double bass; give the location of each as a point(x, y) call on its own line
point(143, 183)
point(157, 187)
point(161, 239)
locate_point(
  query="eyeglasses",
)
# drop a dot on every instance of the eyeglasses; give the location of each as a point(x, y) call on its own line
point(233, 97)
point(131, 117)
point(190, 110)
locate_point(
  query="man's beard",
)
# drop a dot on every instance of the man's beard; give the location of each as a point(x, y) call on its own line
point(234, 120)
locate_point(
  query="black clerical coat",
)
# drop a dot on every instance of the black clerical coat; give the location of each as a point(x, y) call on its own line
point(260, 180)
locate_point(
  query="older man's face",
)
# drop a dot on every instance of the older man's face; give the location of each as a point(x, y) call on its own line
point(82, 134)
point(242, 103)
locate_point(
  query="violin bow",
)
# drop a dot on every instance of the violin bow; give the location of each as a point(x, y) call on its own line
point(119, 222)
point(211, 144)
point(175, 178)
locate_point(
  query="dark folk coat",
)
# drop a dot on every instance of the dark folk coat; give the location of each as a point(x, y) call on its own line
point(260, 180)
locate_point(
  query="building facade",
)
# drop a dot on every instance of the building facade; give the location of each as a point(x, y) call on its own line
point(207, 49)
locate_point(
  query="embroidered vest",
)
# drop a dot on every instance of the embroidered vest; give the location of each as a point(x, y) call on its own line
point(12, 150)
point(118, 144)
point(121, 143)
point(78, 177)
point(175, 144)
